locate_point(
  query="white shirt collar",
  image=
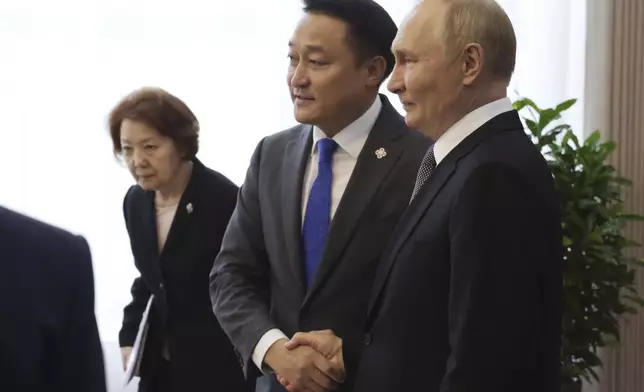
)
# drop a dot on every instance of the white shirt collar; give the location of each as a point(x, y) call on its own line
point(467, 125)
point(352, 138)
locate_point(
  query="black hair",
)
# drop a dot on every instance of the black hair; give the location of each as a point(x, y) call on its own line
point(371, 29)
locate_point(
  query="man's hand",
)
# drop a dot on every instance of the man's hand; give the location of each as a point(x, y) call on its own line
point(324, 342)
point(125, 355)
point(303, 368)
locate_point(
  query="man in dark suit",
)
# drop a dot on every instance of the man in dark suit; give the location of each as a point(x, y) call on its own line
point(468, 295)
point(48, 335)
point(319, 201)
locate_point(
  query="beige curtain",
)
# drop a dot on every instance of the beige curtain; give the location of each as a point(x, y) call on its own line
point(624, 122)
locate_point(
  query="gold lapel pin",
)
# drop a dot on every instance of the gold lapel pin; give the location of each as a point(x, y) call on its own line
point(189, 208)
point(381, 153)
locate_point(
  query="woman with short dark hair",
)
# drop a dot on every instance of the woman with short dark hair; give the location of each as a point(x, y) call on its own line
point(175, 215)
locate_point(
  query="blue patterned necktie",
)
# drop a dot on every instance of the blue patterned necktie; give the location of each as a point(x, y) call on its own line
point(318, 210)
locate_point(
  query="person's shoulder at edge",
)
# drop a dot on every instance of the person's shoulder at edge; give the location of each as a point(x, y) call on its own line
point(23, 231)
point(219, 188)
point(274, 145)
point(134, 191)
point(511, 155)
point(512, 147)
point(282, 138)
point(219, 182)
point(49, 252)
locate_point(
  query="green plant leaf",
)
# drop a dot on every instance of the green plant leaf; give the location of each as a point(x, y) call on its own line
point(546, 117)
point(586, 203)
point(525, 102)
point(533, 127)
point(622, 181)
point(631, 217)
point(565, 105)
point(593, 138)
point(560, 128)
point(637, 263)
point(639, 301)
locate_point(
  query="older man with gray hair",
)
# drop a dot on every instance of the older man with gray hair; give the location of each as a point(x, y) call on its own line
point(468, 293)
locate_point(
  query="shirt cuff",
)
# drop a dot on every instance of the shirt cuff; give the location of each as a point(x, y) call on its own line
point(265, 342)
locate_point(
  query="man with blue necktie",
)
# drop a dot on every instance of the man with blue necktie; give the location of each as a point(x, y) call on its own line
point(319, 202)
point(468, 294)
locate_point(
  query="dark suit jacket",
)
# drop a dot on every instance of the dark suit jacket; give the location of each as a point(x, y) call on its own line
point(48, 335)
point(202, 357)
point(468, 297)
point(257, 282)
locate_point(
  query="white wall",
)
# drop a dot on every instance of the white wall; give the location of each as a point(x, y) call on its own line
point(551, 36)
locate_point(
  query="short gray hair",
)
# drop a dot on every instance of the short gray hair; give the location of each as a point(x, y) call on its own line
point(483, 22)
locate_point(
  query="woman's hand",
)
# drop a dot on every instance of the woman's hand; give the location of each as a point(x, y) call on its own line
point(125, 355)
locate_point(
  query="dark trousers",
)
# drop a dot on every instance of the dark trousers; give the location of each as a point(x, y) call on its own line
point(159, 381)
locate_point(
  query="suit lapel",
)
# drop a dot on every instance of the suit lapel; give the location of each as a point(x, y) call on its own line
point(367, 178)
point(419, 206)
point(149, 226)
point(293, 167)
point(408, 223)
point(147, 236)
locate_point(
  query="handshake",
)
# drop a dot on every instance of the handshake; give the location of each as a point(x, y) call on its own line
point(310, 361)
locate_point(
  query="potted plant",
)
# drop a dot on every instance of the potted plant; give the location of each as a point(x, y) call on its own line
point(599, 273)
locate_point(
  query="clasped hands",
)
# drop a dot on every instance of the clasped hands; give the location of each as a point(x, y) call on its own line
point(310, 361)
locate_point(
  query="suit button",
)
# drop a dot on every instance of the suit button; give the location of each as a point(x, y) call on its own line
point(367, 339)
point(161, 287)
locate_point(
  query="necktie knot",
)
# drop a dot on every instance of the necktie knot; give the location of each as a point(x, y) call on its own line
point(429, 160)
point(326, 148)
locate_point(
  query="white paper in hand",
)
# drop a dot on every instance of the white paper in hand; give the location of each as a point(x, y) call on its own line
point(134, 362)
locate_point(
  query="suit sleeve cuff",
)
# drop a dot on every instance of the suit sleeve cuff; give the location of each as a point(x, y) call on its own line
point(265, 342)
point(127, 337)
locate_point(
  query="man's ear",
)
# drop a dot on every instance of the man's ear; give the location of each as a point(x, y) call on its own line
point(375, 69)
point(473, 58)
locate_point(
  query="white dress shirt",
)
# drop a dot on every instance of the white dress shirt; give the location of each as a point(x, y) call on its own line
point(350, 142)
point(467, 125)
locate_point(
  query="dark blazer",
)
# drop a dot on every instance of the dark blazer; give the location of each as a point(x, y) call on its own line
point(468, 296)
point(258, 283)
point(202, 357)
point(48, 335)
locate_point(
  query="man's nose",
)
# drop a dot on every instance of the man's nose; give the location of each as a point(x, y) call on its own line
point(396, 83)
point(300, 77)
